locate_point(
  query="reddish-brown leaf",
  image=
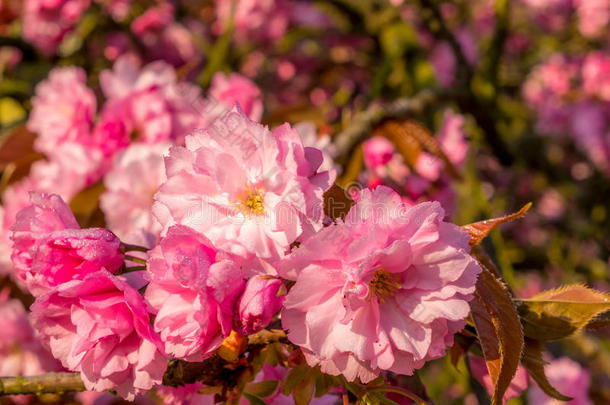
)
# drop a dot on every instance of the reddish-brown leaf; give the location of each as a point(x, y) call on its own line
point(479, 230)
point(337, 202)
point(531, 359)
point(556, 314)
point(85, 206)
point(406, 144)
point(17, 155)
point(499, 331)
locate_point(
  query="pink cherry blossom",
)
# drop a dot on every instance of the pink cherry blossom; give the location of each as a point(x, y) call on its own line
point(45, 23)
point(479, 371)
point(20, 352)
point(185, 395)
point(249, 190)
point(118, 9)
point(45, 176)
point(385, 290)
point(100, 327)
point(596, 74)
point(254, 19)
point(593, 17)
point(135, 177)
point(235, 88)
point(261, 300)
point(155, 107)
point(378, 151)
point(569, 378)
point(164, 38)
point(63, 109)
point(193, 289)
point(311, 138)
point(49, 248)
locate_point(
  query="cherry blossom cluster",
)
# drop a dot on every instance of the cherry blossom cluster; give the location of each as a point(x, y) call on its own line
point(230, 215)
point(571, 96)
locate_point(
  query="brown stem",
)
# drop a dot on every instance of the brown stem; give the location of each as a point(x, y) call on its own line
point(210, 371)
point(41, 384)
point(362, 124)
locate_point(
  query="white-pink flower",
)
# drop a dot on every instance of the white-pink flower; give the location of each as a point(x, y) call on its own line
point(45, 23)
point(100, 327)
point(135, 177)
point(235, 88)
point(193, 289)
point(63, 109)
point(153, 104)
point(311, 138)
point(249, 190)
point(20, 352)
point(254, 19)
point(385, 290)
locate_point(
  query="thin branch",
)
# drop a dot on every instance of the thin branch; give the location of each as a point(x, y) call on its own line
point(364, 121)
point(41, 384)
point(210, 371)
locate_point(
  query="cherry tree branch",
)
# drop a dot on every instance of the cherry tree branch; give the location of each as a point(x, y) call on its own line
point(361, 125)
point(41, 384)
point(211, 371)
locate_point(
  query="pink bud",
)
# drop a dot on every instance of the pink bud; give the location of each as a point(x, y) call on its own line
point(259, 302)
point(378, 151)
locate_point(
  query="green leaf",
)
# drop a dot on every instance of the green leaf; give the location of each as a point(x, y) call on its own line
point(395, 38)
point(531, 359)
point(294, 377)
point(303, 391)
point(262, 389)
point(253, 399)
point(556, 314)
point(324, 383)
point(499, 331)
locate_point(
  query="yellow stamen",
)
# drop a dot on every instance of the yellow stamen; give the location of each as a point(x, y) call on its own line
point(251, 202)
point(384, 284)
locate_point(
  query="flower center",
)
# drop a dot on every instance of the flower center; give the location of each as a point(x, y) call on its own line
point(383, 284)
point(251, 202)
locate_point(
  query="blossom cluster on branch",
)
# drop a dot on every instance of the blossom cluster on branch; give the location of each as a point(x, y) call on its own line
point(257, 201)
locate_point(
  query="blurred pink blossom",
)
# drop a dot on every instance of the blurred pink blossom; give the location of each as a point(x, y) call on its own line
point(118, 9)
point(155, 107)
point(479, 371)
point(46, 22)
point(254, 19)
point(63, 109)
point(596, 74)
point(136, 175)
point(569, 378)
point(593, 17)
point(235, 88)
point(185, 395)
point(20, 352)
point(378, 151)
